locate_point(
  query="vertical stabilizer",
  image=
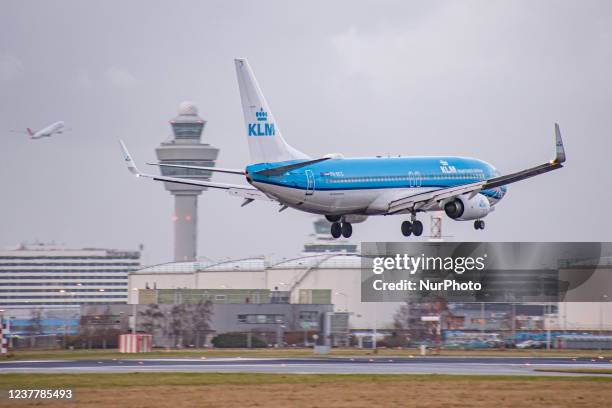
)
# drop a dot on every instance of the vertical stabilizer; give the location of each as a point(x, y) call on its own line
point(266, 144)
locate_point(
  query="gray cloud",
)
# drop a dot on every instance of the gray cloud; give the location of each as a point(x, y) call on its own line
point(83, 80)
point(120, 77)
point(10, 67)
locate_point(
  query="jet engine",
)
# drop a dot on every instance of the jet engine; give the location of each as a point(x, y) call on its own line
point(463, 208)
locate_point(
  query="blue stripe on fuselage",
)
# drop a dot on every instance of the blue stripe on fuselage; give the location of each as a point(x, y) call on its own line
point(378, 173)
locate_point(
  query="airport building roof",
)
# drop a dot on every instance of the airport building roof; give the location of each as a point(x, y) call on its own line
point(246, 264)
point(251, 264)
point(321, 261)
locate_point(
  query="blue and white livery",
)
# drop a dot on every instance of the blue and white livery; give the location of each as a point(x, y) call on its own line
point(349, 190)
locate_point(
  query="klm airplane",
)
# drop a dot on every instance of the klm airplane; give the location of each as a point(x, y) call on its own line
point(349, 190)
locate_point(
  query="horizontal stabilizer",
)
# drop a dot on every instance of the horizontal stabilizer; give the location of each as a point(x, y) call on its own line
point(211, 169)
point(232, 189)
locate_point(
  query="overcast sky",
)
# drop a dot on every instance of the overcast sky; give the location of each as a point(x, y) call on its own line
point(485, 79)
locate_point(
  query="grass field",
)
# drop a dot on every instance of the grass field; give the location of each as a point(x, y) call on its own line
point(179, 390)
point(289, 353)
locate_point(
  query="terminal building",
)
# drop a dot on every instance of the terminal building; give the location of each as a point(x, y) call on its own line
point(42, 275)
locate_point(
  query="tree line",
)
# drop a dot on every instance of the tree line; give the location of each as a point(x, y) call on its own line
point(184, 325)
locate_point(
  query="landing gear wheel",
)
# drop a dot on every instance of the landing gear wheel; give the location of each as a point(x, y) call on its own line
point(406, 228)
point(417, 228)
point(479, 224)
point(336, 230)
point(347, 229)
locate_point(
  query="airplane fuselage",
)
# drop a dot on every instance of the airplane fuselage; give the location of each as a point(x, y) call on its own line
point(366, 185)
point(49, 131)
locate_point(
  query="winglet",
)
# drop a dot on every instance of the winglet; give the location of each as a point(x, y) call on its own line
point(560, 150)
point(128, 160)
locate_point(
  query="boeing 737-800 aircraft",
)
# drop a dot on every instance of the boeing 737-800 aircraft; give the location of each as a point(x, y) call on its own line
point(349, 190)
point(47, 131)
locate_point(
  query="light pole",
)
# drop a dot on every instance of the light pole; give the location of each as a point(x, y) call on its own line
point(3, 341)
point(603, 299)
point(134, 311)
point(64, 325)
point(482, 318)
point(547, 321)
point(374, 339)
point(279, 334)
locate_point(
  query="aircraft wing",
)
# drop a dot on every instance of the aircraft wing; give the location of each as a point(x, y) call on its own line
point(213, 169)
point(247, 192)
point(430, 198)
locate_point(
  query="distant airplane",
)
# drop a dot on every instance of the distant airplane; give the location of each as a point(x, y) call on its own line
point(47, 131)
point(349, 190)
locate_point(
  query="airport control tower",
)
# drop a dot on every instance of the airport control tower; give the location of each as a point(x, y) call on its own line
point(185, 147)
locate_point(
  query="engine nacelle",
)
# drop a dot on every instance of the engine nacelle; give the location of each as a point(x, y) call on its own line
point(464, 209)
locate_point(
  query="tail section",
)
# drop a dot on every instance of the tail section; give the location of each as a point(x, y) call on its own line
point(30, 131)
point(266, 144)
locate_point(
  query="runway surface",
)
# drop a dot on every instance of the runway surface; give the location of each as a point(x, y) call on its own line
point(417, 365)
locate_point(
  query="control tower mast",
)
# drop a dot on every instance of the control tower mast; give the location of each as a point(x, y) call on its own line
point(186, 148)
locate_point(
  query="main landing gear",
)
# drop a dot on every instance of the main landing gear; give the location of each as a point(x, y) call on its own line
point(412, 228)
point(344, 229)
point(479, 224)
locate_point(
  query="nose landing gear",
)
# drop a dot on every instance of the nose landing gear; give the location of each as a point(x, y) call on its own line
point(479, 224)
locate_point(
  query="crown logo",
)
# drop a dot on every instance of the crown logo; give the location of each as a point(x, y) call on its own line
point(261, 115)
